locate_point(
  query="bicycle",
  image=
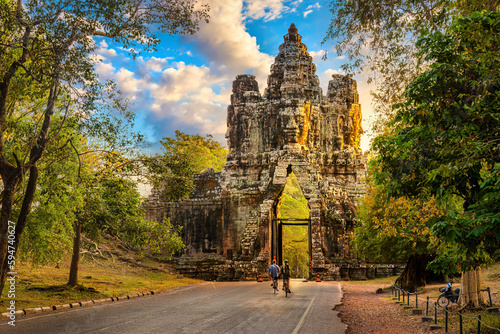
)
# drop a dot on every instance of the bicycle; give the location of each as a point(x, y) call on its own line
point(275, 285)
point(285, 286)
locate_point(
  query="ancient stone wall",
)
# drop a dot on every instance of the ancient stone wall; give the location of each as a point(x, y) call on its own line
point(291, 127)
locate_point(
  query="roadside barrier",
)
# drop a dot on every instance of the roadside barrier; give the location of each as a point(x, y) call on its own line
point(398, 291)
point(461, 316)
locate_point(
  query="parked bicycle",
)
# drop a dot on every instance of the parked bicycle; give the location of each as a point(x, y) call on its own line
point(448, 295)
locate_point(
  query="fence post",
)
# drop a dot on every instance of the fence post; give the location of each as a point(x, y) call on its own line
point(427, 308)
point(399, 294)
point(416, 299)
point(408, 303)
point(446, 319)
point(461, 328)
point(435, 313)
point(478, 323)
point(489, 296)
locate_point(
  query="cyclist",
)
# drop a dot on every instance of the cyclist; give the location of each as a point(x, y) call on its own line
point(286, 275)
point(274, 270)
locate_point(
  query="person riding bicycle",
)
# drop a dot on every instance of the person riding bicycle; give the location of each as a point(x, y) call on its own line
point(274, 270)
point(286, 275)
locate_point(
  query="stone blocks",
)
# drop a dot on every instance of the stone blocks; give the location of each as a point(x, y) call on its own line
point(229, 223)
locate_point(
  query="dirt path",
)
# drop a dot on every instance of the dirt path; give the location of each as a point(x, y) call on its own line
point(364, 311)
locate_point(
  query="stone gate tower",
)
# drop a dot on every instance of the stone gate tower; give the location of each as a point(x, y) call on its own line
point(230, 225)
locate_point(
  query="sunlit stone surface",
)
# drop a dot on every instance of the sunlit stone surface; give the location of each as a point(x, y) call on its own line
point(229, 229)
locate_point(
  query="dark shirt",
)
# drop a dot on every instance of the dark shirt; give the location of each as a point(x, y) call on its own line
point(286, 271)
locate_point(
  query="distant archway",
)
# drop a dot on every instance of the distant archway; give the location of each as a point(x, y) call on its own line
point(291, 228)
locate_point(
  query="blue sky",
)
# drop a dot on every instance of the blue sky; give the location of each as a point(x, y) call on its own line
point(186, 85)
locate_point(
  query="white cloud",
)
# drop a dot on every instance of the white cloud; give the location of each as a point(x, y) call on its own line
point(157, 64)
point(266, 10)
point(307, 12)
point(104, 70)
point(317, 55)
point(316, 5)
point(126, 82)
point(178, 83)
point(341, 57)
point(310, 9)
point(231, 49)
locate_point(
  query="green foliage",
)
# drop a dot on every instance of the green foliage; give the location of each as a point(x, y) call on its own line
point(445, 139)
point(378, 38)
point(295, 238)
point(46, 72)
point(50, 224)
point(114, 206)
point(393, 228)
point(182, 157)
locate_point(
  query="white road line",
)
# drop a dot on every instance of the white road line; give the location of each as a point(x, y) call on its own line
point(301, 321)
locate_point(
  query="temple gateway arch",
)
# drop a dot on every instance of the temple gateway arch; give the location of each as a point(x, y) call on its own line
point(229, 223)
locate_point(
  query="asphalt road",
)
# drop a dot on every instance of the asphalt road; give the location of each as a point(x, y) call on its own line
point(232, 307)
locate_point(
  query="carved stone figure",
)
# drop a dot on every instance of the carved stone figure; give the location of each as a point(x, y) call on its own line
point(291, 127)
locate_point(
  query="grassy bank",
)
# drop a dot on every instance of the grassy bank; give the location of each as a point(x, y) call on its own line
point(46, 285)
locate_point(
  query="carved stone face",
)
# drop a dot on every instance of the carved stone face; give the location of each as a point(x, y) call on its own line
point(296, 124)
point(291, 126)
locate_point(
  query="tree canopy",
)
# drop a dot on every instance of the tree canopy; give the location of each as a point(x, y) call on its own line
point(183, 156)
point(379, 38)
point(445, 139)
point(46, 72)
point(393, 228)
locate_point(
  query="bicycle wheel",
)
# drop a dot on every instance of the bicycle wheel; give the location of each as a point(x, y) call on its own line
point(443, 301)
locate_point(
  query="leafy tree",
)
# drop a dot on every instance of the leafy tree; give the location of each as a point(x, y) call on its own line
point(445, 139)
point(396, 229)
point(44, 49)
point(378, 38)
point(84, 195)
point(49, 227)
point(113, 206)
point(183, 156)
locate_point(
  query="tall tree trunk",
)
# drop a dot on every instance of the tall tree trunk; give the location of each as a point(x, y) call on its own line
point(75, 260)
point(10, 188)
point(470, 287)
point(22, 219)
point(413, 275)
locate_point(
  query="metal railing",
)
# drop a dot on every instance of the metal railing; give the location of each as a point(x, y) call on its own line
point(397, 291)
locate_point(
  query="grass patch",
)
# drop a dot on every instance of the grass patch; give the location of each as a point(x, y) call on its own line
point(386, 281)
point(46, 285)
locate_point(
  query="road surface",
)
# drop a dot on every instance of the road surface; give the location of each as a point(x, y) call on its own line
point(218, 307)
